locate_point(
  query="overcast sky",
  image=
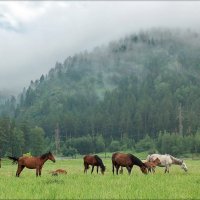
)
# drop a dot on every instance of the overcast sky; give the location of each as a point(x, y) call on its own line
point(34, 35)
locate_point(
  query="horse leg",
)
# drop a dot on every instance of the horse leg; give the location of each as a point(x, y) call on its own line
point(92, 169)
point(40, 171)
point(97, 169)
point(19, 170)
point(113, 169)
point(85, 167)
point(166, 168)
point(37, 171)
point(121, 170)
point(130, 169)
point(153, 169)
point(117, 169)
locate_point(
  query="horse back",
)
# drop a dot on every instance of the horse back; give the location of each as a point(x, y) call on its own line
point(121, 159)
point(90, 160)
point(29, 162)
point(164, 159)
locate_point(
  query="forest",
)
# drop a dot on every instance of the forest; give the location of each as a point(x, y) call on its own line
point(138, 93)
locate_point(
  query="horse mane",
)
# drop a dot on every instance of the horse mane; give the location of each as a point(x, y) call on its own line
point(136, 160)
point(44, 155)
point(100, 162)
point(176, 160)
point(14, 159)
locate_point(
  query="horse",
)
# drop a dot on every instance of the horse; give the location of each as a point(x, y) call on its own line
point(93, 160)
point(32, 162)
point(58, 171)
point(151, 165)
point(167, 160)
point(126, 160)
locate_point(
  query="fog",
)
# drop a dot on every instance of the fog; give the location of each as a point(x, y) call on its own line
point(34, 35)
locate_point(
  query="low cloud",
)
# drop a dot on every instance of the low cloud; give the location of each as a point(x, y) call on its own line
point(34, 35)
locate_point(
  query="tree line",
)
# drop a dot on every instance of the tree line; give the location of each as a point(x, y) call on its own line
point(22, 139)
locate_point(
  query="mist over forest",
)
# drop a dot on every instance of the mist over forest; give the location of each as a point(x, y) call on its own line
point(140, 92)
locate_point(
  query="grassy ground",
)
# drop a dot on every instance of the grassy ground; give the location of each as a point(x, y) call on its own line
point(76, 185)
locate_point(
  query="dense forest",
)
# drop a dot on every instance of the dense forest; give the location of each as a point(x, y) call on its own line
point(141, 92)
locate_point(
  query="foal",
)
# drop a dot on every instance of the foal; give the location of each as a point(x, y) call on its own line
point(58, 171)
point(151, 165)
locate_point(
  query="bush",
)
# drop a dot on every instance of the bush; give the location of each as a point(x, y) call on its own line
point(146, 144)
point(84, 145)
point(99, 144)
point(114, 146)
point(28, 154)
point(70, 151)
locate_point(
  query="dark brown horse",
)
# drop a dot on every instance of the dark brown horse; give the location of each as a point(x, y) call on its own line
point(94, 161)
point(32, 162)
point(127, 160)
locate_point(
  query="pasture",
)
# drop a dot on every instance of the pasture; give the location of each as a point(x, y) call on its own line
point(77, 185)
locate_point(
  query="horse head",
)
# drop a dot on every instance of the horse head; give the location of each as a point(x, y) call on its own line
point(143, 168)
point(157, 161)
point(103, 169)
point(184, 167)
point(51, 157)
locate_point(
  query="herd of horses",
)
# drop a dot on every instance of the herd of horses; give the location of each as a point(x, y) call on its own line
point(119, 160)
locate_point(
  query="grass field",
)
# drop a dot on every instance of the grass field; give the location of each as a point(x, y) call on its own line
point(76, 185)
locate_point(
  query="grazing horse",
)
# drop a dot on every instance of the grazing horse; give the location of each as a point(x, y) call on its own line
point(32, 162)
point(167, 160)
point(94, 161)
point(151, 165)
point(126, 160)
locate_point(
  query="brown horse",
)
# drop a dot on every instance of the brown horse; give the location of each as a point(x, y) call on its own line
point(58, 171)
point(151, 165)
point(32, 162)
point(127, 160)
point(94, 161)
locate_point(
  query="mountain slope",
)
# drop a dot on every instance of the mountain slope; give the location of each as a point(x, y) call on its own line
point(135, 86)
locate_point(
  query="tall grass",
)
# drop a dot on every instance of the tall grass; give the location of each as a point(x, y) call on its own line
point(76, 185)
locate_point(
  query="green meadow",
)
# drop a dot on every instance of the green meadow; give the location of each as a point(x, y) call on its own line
point(77, 185)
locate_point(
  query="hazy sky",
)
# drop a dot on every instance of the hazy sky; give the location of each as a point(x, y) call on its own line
point(34, 35)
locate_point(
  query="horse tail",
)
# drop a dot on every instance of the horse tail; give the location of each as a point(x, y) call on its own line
point(14, 159)
point(100, 162)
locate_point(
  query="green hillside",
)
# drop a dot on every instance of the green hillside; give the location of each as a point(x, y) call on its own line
point(142, 84)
